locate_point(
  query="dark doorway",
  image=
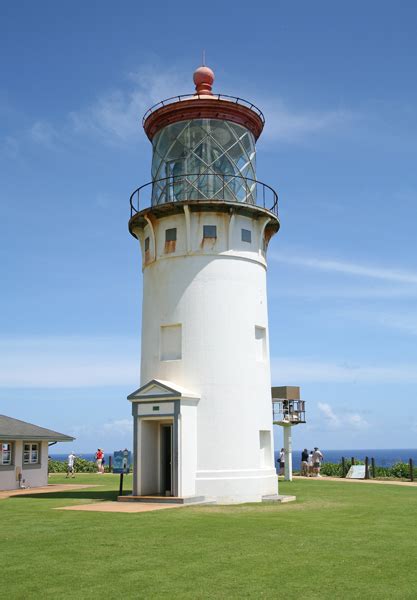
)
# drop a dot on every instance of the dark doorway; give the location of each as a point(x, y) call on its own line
point(166, 459)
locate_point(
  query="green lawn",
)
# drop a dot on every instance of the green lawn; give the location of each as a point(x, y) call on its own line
point(339, 540)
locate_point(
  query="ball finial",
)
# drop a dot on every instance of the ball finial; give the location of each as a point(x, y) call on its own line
point(203, 78)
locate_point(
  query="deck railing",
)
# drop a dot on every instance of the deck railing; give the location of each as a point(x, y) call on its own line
point(205, 187)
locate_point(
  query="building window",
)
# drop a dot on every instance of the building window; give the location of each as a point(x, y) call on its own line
point(246, 236)
point(146, 244)
point(171, 235)
point(265, 448)
point(260, 341)
point(209, 231)
point(6, 451)
point(171, 342)
point(30, 454)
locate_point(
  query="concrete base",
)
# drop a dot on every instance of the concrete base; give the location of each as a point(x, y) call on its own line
point(279, 498)
point(164, 499)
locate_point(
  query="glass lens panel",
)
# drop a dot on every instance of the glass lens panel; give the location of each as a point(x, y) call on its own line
point(203, 151)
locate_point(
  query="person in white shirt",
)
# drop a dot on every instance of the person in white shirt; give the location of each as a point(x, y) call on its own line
point(310, 464)
point(317, 459)
point(70, 465)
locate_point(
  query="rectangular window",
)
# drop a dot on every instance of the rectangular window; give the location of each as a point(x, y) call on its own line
point(6, 449)
point(209, 231)
point(265, 448)
point(30, 454)
point(171, 342)
point(146, 244)
point(171, 235)
point(260, 343)
point(246, 236)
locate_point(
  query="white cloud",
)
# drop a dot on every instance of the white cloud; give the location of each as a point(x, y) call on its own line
point(328, 413)
point(342, 420)
point(348, 268)
point(43, 133)
point(301, 370)
point(72, 361)
point(116, 115)
point(285, 124)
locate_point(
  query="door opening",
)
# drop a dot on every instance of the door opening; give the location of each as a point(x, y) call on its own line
point(166, 460)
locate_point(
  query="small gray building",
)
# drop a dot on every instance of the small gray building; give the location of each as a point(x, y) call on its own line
point(24, 453)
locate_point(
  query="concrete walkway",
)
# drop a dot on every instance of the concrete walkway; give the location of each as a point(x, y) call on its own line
point(52, 487)
point(343, 480)
point(120, 507)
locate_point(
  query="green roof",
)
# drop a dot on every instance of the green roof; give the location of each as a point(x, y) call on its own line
point(13, 429)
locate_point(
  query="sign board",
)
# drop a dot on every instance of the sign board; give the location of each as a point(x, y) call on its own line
point(356, 472)
point(121, 461)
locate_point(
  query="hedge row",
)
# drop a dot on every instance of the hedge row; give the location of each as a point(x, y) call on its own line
point(81, 466)
point(400, 470)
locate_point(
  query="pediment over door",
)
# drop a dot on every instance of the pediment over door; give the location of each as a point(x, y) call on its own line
point(157, 389)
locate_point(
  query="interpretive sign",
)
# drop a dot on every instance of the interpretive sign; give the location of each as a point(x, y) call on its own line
point(121, 461)
point(356, 472)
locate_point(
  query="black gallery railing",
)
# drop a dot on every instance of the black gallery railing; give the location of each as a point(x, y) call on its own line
point(204, 186)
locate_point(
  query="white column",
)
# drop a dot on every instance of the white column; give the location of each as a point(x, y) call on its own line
point(288, 453)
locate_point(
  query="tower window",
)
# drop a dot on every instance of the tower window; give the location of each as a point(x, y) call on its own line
point(171, 342)
point(246, 235)
point(260, 343)
point(209, 231)
point(171, 235)
point(146, 244)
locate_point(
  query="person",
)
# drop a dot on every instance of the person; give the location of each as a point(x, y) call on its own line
point(71, 465)
point(310, 464)
point(99, 460)
point(317, 459)
point(282, 461)
point(304, 463)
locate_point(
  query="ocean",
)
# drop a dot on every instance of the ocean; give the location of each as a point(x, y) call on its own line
point(383, 458)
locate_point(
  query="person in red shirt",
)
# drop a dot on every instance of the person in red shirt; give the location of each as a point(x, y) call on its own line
point(99, 460)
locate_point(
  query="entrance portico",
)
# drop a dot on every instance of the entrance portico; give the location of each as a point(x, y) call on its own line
point(165, 440)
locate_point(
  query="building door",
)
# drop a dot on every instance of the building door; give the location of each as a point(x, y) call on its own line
point(166, 460)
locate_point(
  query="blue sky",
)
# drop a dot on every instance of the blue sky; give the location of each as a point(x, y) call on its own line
point(337, 84)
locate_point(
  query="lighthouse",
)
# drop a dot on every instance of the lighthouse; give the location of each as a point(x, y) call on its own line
point(202, 415)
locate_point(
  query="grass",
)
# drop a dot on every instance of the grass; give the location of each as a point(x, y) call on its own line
point(338, 540)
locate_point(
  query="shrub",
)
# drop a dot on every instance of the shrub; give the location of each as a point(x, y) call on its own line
point(81, 466)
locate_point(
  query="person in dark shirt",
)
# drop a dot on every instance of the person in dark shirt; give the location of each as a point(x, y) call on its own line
point(304, 463)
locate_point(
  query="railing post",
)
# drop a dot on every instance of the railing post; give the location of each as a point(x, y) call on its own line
point(373, 468)
point(410, 464)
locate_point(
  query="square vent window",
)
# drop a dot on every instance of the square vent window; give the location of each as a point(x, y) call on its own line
point(171, 235)
point(246, 235)
point(209, 231)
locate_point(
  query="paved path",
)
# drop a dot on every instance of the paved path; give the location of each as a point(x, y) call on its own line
point(120, 507)
point(341, 480)
point(52, 487)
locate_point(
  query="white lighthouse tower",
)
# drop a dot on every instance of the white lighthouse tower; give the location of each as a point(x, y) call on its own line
point(202, 416)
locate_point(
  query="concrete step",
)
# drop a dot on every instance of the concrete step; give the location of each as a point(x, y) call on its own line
point(163, 499)
point(278, 498)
